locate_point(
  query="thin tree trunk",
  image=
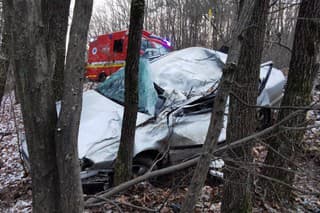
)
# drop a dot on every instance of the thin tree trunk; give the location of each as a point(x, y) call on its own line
point(4, 57)
point(216, 122)
point(58, 11)
point(36, 95)
point(302, 71)
point(69, 118)
point(237, 188)
point(123, 167)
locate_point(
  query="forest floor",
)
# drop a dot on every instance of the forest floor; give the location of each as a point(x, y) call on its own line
point(167, 196)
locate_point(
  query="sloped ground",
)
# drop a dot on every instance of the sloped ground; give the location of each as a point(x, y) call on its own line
point(15, 188)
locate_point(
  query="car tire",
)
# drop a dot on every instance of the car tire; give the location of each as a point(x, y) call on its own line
point(102, 77)
point(264, 117)
point(141, 165)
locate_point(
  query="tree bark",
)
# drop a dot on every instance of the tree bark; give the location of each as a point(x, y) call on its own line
point(302, 71)
point(58, 17)
point(237, 188)
point(123, 167)
point(66, 135)
point(4, 57)
point(216, 122)
point(36, 96)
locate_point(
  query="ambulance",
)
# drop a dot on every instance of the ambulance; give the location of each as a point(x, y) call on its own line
point(107, 53)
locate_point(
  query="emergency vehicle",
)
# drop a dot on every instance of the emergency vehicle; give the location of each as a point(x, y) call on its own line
point(107, 53)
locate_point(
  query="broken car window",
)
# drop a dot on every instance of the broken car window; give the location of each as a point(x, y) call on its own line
point(113, 88)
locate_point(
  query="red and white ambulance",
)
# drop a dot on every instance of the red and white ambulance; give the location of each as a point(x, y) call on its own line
point(107, 53)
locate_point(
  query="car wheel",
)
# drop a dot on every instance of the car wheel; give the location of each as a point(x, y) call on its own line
point(102, 77)
point(264, 117)
point(141, 165)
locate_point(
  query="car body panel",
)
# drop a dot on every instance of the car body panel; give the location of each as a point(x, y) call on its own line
point(189, 79)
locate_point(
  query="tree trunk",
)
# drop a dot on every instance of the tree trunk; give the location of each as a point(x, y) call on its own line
point(69, 118)
point(4, 57)
point(237, 188)
point(123, 167)
point(216, 122)
point(58, 11)
point(38, 105)
point(299, 86)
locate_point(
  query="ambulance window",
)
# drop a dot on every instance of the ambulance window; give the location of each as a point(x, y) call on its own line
point(118, 46)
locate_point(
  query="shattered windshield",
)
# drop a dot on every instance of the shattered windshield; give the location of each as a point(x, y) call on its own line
point(113, 88)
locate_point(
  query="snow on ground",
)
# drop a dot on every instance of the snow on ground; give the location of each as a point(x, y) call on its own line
point(15, 193)
point(15, 187)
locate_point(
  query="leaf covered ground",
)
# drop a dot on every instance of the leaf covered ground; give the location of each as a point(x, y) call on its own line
point(16, 192)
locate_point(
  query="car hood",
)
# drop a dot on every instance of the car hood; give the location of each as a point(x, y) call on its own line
point(100, 126)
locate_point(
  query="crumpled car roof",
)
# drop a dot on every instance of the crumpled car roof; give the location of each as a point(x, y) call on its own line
point(190, 71)
point(185, 75)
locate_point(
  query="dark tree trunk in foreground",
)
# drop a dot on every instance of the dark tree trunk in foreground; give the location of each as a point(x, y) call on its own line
point(71, 199)
point(123, 167)
point(302, 71)
point(216, 122)
point(237, 188)
point(4, 56)
point(38, 105)
point(58, 11)
point(4, 65)
point(52, 143)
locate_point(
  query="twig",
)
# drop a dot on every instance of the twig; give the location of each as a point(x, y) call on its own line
point(314, 107)
point(116, 204)
point(105, 200)
point(280, 44)
point(300, 128)
point(173, 190)
point(258, 134)
point(18, 136)
point(276, 181)
point(188, 163)
point(137, 207)
point(139, 179)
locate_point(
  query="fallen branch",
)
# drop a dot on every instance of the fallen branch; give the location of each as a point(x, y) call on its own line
point(137, 207)
point(312, 107)
point(104, 201)
point(186, 164)
point(241, 168)
point(258, 134)
point(146, 176)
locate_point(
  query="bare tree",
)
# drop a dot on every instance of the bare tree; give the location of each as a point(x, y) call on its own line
point(38, 107)
point(51, 142)
point(58, 14)
point(302, 72)
point(123, 167)
point(238, 183)
point(67, 126)
point(4, 59)
point(216, 121)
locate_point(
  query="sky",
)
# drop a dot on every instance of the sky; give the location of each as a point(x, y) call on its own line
point(96, 5)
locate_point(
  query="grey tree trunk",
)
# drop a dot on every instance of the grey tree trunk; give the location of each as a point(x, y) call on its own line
point(216, 122)
point(302, 71)
point(36, 96)
point(4, 56)
point(58, 17)
point(123, 166)
point(66, 135)
point(237, 189)
point(52, 143)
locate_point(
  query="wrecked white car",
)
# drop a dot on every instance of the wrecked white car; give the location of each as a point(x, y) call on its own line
point(176, 95)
